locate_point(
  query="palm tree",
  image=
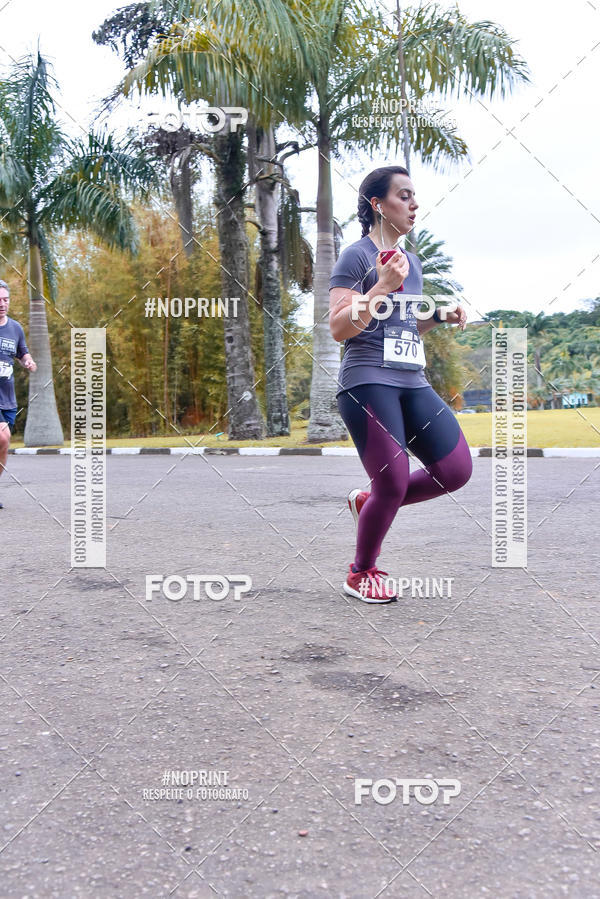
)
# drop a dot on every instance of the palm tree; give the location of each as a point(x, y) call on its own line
point(130, 31)
point(177, 150)
point(535, 325)
point(48, 182)
point(445, 364)
point(224, 54)
point(435, 264)
point(244, 52)
point(563, 365)
point(442, 53)
point(265, 173)
point(285, 257)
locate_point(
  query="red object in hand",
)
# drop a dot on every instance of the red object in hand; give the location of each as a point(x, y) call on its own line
point(386, 255)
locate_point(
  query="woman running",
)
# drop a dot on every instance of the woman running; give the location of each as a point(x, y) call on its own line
point(384, 397)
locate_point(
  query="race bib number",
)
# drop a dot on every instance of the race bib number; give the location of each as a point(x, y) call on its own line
point(6, 369)
point(403, 348)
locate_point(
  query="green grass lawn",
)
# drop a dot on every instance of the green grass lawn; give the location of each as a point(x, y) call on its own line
point(552, 427)
point(548, 427)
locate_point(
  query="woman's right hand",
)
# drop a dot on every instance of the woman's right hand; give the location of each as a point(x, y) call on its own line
point(394, 272)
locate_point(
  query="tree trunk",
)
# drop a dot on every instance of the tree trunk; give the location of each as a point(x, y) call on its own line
point(43, 426)
point(262, 143)
point(538, 366)
point(174, 415)
point(325, 422)
point(181, 187)
point(245, 417)
point(166, 358)
point(410, 244)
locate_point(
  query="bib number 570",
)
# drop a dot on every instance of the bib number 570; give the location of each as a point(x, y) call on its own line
point(406, 348)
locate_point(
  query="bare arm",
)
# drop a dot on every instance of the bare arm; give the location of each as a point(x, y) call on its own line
point(425, 324)
point(457, 316)
point(348, 316)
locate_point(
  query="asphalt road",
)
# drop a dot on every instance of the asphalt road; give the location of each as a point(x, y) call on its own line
point(293, 690)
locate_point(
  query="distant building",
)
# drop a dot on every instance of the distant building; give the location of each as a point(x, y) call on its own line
point(574, 400)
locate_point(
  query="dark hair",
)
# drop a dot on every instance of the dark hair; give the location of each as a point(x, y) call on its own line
point(376, 184)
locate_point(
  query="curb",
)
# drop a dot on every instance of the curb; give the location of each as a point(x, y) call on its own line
point(482, 452)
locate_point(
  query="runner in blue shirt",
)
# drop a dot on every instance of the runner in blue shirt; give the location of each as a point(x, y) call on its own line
point(12, 346)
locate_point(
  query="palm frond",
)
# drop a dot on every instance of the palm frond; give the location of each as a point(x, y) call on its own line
point(291, 242)
point(15, 185)
point(444, 53)
point(27, 111)
point(102, 159)
point(12, 242)
point(433, 138)
point(447, 53)
point(435, 264)
point(284, 30)
point(437, 142)
point(199, 63)
point(95, 207)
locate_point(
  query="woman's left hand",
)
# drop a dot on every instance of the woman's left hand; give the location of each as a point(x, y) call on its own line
point(457, 317)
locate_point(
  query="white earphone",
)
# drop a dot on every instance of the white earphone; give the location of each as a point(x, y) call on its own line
point(381, 223)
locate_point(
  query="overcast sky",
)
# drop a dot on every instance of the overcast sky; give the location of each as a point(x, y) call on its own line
point(522, 225)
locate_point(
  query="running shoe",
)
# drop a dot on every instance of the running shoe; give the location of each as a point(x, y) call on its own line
point(369, 586)
point(356, 500)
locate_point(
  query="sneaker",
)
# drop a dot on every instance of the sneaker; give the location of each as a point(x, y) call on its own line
point(369, 586)
point(356, 500)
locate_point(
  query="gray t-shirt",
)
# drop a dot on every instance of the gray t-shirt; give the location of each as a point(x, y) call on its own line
point(363, 354)
point(12, 343)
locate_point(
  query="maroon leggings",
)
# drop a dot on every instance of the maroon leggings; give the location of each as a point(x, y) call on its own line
point(383, 422)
